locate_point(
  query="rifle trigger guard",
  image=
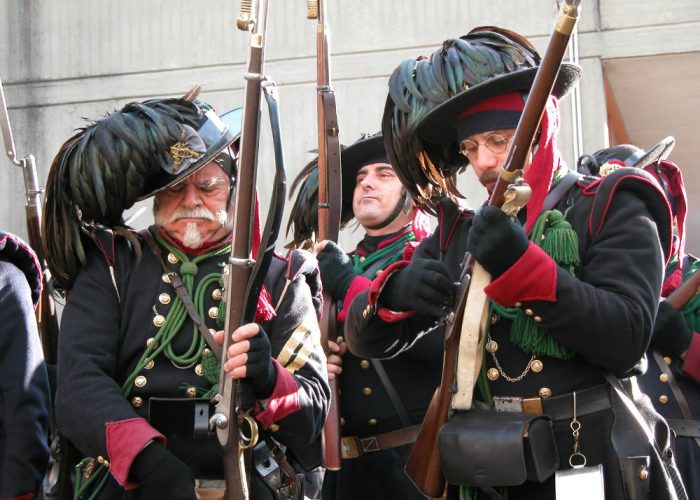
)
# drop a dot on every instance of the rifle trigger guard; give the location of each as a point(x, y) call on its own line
point(251, 439)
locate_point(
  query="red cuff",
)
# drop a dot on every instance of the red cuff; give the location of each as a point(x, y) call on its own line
point(691, 365)
point(357, 286)
point(125, 440)
point(26, 496)
point(376, 288)
point(532, 277)
point(283, 401)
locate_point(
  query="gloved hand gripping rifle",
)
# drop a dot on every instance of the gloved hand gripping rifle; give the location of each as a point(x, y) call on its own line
point(465, 326)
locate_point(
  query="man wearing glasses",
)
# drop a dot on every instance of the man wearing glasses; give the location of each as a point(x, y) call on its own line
point(574, 278)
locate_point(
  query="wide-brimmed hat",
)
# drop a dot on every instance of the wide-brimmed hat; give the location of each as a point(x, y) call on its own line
point(198, 147)
point(633, 156)
point(303, 218)
point(364, 151)
point(426, 94)
point(438, 125)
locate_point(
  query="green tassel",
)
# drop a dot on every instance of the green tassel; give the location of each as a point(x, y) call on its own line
point(560, 241)
point(210, 365)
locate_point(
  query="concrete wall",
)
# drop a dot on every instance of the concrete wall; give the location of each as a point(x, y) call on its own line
point(74, 59)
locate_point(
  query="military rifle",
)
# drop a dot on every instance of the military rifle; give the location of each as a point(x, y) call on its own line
point(59, 480)
point(236, 429)
point(329, 209)
point(423, 464)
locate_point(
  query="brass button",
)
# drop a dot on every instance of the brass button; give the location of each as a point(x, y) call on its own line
point(372, 421)
point(494, 319)
point(172, 259)
point(274, 427)
point(137, 402)
point(206, 351)
point(199, 370)
point(152, 343)
point(213, 312)
point(663, 399)
point(536, 365)
point(364, 364)
point(158, 320)
point(165, 278)
point(340, 340)
point(663, 377)
point(140, 381)
point(643, 473)
point(518, 304)
point(545, 392)
point(342, 421)
point(529, 312)
point(492, 374)
point(191, 392)
point(667, 360)
point(379, 271)
point(491, 346)
point(537, 319)
point(217, 294)
point(367, 391)
point(149, 365)
point(164, 298)
point(362, 258)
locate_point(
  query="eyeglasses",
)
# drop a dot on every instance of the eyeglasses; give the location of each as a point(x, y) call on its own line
point(494, 142)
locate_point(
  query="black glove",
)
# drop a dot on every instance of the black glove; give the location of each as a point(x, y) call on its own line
point(260, 370)
point(424, 286)
point(495, 241)
point(161, 475)
point(671, 335)
point(337, 271)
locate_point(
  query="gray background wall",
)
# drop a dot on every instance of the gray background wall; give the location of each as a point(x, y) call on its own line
point(65, 61)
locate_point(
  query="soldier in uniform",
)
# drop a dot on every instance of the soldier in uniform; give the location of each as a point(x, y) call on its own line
point(137, 360)
point(25, 399)
point(575, 278)
point(673, 374)
point(381, 402)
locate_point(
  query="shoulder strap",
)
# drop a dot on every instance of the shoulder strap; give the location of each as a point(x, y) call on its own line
point(560, 190)
point(391, 391)
point(181, 292)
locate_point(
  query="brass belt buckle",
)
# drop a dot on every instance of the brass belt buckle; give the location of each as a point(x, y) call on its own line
point(350, 447)
point(507, 403)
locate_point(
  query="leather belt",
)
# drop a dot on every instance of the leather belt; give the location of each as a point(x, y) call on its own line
point(354, 446)
point(588, 401)
point(688, 428)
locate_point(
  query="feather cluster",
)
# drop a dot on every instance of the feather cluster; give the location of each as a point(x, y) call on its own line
point(102, 171)
point(419, 85)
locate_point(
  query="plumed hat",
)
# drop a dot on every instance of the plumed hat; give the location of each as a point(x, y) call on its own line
point(124, 157)
point(428, 94)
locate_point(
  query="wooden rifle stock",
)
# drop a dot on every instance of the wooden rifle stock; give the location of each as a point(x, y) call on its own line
point(235, 398)
point(423, 464)
point(680, 297)
point(329, 192)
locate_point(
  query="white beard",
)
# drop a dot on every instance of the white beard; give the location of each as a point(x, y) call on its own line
point(192, 238)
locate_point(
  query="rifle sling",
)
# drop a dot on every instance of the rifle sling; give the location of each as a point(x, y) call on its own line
point(391, 391)
point(560, 190)
point(181, 292)
point(334, 194)
point(675, 388)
